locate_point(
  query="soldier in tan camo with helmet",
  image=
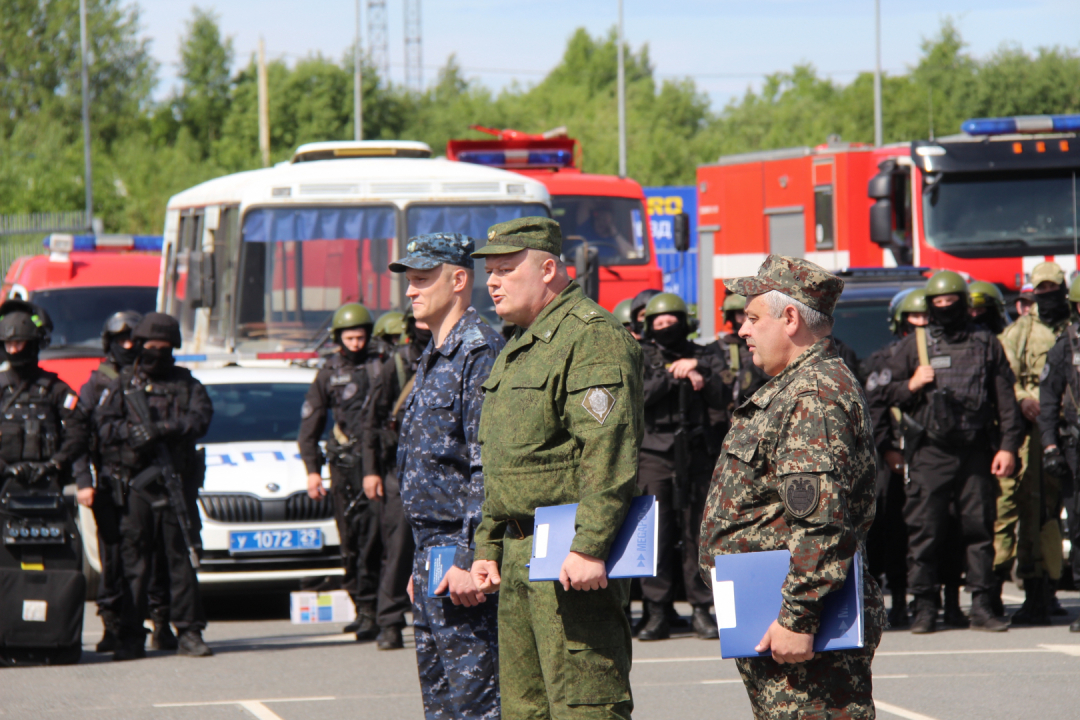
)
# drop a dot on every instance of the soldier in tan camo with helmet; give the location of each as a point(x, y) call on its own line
point(797, 472)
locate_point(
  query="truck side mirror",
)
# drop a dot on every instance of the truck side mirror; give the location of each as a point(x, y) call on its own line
point(880, 187)
point(881, 221)
point(680, 232)
point(587, 270)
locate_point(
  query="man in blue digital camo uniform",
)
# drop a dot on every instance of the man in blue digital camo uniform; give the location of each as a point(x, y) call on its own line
point(442, 482)
point(562, 423)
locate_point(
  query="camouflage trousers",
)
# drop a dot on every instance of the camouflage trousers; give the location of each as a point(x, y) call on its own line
point(564, 654)
point(834, 685)
point(457, 652)
point(1023, 531)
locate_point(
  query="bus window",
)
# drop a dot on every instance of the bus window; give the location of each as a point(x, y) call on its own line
point(299, 264)
point(612, 225)
point(226, 253)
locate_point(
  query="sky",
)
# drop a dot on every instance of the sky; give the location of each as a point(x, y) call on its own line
point(726, 46)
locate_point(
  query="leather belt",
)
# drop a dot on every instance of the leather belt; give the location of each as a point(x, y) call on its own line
point(517, 531)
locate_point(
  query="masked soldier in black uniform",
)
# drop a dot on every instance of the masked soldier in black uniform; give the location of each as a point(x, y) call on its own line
point(1059, 426)
point(343, 386)
point(682, 382)
point(382, 426)
point(147, 429)
point(105, 496)
point(952, 381)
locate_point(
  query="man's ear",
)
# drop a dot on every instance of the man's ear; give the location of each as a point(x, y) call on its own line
point(791, 321)
point(549, 270)
point(460, 279)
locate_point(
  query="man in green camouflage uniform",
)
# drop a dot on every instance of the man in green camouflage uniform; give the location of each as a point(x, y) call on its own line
point(562, 423)
point(797, 472)
point(1027, 527)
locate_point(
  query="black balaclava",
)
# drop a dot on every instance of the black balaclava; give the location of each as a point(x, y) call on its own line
point(1053, 306)
point(121, 355)
point(156, 362)
point(26, 359)
point(990, 319)
point(951, 319)
point(670, 338)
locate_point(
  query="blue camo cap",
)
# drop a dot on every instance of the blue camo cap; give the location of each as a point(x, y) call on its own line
point(433, 249)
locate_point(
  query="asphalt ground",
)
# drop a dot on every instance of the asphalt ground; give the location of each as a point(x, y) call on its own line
point(266, 668)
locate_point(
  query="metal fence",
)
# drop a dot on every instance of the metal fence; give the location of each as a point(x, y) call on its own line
point(12, 249)
point(43, 223)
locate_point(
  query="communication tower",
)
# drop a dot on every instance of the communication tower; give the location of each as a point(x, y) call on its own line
point(377, 38)
point(414, 56)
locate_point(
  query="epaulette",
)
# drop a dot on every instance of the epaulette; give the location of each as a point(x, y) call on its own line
point(472, 337)
point(588, 312)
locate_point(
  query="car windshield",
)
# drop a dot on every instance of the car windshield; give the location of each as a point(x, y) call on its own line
point(472, 220)
point(862, 325)
point(614, 226)
point(1002, 214)
point(79, 313)
point(247, 412)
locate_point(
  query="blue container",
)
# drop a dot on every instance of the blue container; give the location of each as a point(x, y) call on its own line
point(680, 269)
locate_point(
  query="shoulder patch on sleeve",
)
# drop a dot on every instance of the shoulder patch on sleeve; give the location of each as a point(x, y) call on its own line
point(70, 401)
point(598, 402)
point(801, 493)
point(306, 410)
point(1045, 373)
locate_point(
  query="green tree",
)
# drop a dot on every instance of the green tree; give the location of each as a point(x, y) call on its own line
point(205, 61)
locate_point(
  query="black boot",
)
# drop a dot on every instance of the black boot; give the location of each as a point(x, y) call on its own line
point(364, 626)
point(191, 644)
point(898, 614)
point(675, 620)
point(133, 648)
point(162, 638)
point(657, 627)
point(110, 641)
point(982, 614)
point(925, 619)
point(953, 615)
point(1002, 575)
point(1054, 605)
point(1035, 610)
point(390, 638)
point(704, 623)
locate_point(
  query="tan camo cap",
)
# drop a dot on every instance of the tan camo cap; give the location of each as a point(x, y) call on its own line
point(1047, 271)
point(810, 284)
point(537, 233)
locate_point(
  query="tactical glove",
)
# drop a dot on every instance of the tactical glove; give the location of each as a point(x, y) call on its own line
point(141, 435)
point(1054, 463)
point(20, 471)
point(166, 428)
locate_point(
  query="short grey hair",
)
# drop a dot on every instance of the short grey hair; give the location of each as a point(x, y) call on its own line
point(818, 323)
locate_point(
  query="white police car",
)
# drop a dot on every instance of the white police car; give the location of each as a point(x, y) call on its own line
point(259, 527)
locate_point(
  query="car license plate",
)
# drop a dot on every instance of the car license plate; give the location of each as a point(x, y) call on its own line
point(275, 541)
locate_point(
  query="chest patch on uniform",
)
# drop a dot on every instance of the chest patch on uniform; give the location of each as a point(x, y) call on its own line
point(941, 362)
point(598, 403)
point(339, 380)
point(801, 493)
point(1076, 359)
point(349, 391)
point(306, 410)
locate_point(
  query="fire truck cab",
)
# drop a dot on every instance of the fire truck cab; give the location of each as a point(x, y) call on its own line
point(81, 282)
point(599, 214)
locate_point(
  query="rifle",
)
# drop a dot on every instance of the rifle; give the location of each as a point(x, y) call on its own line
point(344, 457)
point(163, 467)
point(683, 433)
point(912, 432)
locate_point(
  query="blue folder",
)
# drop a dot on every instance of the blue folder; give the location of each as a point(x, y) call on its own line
point(632, 554)
point(746, 592)
point(440, 560)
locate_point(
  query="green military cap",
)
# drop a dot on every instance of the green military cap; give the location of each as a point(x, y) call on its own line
point(810, 284)
point(1045, 271)
point(538, 233)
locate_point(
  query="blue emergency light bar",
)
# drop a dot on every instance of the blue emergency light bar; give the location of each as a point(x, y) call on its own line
point(518, 158)
point(147, 243)
point(1022, 124)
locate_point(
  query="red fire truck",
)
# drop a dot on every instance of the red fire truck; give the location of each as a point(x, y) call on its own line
point(601, 212)
point(81, 282)
point(991, 202)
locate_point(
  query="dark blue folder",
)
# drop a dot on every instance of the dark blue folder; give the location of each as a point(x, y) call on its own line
point(632, 554)
point(746, 592)
point(440, 560)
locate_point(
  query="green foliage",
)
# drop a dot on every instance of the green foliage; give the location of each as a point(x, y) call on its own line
point(145, 152)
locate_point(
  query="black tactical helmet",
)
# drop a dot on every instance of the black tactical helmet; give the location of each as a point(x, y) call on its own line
point(20, 320)
point(124, 321)
point(640, 301)
point(158, 326)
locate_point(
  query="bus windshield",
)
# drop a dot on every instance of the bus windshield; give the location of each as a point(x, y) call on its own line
point(79, 313)
point(1004, 214)
point(472, 220)
point(614, 226)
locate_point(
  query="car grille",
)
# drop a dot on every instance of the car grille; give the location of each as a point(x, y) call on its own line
point(244, 508)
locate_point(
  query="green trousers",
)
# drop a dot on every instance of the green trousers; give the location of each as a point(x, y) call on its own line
point(561, 654)
point(1023, 532)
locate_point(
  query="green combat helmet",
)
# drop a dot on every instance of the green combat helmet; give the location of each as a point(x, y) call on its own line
point(389, 325)
point(732, 304)
point(985, 294)
point(894, 310)
point(946, 282)
point(622, 312)
point(911, 301)
point(350, 315)
point(665, 303)
point(1074, 290)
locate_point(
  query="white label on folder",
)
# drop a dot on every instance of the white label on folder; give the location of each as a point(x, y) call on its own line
point(724, 599)
point(34, 610)
point(542, 539)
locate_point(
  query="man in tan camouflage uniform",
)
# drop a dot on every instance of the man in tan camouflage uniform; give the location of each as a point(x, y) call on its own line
point(797, 472)
point(1030, 497)
point(562, 423)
